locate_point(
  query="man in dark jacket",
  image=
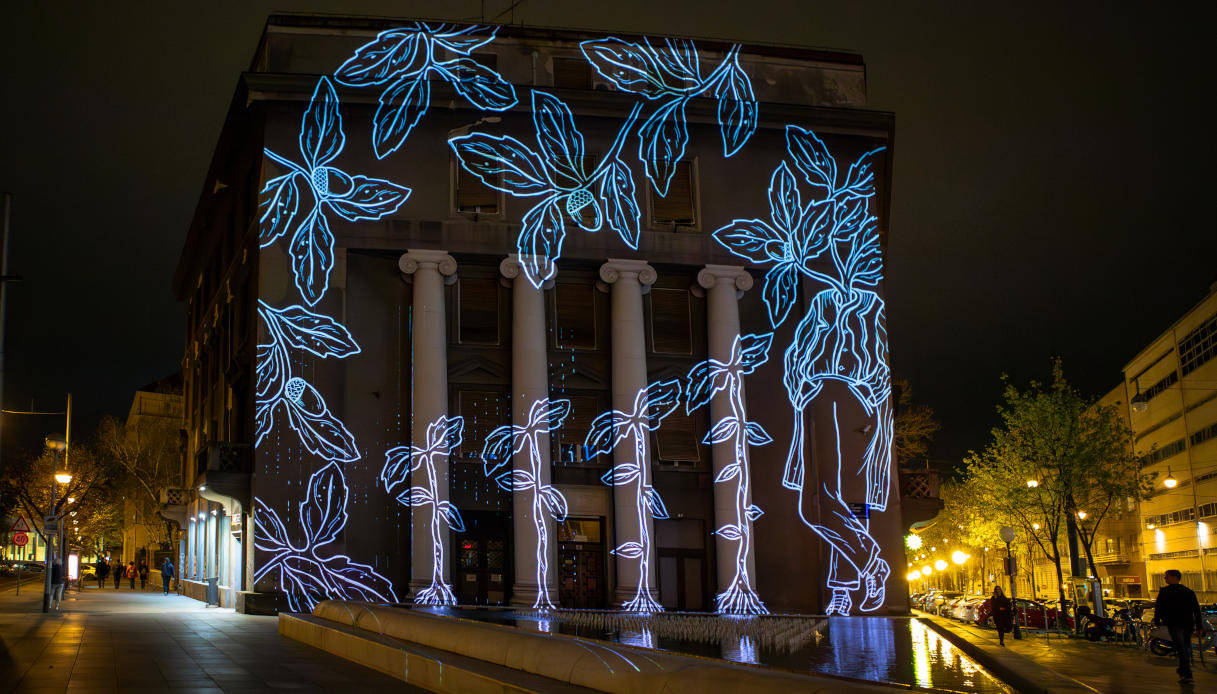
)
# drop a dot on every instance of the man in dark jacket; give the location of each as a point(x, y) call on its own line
point(166, 574)
point(1178, 609)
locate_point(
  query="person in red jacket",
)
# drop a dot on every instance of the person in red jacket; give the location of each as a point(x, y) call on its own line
point(132, 573)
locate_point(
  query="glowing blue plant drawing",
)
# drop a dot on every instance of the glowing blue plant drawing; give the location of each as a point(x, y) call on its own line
point(401, 463)
point(297, 328)
point(833, 240)
point(544, 416)
point(304, 575)
point(651, 405)
point(557, 174)
point(350, 197)
point(405, 60)
point(670, 76)
point(705, 380)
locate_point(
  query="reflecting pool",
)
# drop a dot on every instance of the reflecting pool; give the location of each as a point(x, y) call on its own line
point(897, 650)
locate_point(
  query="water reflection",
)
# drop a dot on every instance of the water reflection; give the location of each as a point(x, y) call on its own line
point(898, 650)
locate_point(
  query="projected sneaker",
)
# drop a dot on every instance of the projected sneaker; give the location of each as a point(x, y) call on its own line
point(840, 602)
point(876, 578)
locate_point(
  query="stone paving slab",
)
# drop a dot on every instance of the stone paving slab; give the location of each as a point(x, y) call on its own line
point(142, 641)
point(1105, 667)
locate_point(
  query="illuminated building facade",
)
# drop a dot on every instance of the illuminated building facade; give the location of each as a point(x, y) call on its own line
point(503, 315)
point(1173, 410)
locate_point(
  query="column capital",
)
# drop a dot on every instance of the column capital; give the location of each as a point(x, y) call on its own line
point(711, 275)
point(640, 270)
point(415, 258)
point(513, 266)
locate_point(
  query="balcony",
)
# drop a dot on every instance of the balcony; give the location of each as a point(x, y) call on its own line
point(1111, 558)
point(173, 505)
point(919, 499)
point(224, 474)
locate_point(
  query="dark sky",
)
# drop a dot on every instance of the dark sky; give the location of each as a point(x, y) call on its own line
point(1052, 193)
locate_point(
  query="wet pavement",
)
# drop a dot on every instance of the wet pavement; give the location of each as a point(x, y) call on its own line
point(1111, 668)
point(142, 641)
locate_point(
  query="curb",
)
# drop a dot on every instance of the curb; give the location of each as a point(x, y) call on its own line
point(1020, 672)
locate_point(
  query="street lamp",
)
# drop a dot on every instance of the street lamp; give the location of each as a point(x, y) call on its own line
point(941, 565)
point(1007, 536)
point(56, 443)
point(1170, 482)
point(958, 557)
point(1032, 484)
point(1081, 515)
point(1035, 526)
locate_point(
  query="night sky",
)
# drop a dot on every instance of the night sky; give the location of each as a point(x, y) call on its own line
point(1054, 169)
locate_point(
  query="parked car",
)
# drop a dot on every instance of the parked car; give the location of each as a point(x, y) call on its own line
point(940, 599)
point(1031, 613)
point(968, 612)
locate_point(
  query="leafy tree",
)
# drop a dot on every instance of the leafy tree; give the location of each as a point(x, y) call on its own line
point(148, 455)
point(1071, 450)
point(29, 480)
point(914, 425)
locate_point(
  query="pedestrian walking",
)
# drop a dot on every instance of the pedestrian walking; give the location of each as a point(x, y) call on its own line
point(166, 573)
point(56, 584)
point(132, 573)
point(1178, 609)
point(117, 572)
point(143, 574)
point(1003, 614)
point(103, 572)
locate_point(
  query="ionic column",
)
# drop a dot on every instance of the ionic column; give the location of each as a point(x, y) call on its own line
point(429, 392)
point(629, 279)
point(529, 383)
point(724, 284)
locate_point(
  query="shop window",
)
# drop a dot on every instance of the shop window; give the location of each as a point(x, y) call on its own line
point(679, 206)
point(671, 332)
point(479, 311)
point(575, 316)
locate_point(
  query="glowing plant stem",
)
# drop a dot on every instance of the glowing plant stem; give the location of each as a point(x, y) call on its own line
point(538, 520)
point(642, 599)
point(437, 558)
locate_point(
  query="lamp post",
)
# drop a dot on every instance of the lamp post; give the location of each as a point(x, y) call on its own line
point(55, 443)
point(1007, 536)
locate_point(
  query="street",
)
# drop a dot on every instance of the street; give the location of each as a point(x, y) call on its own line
point(141, 641)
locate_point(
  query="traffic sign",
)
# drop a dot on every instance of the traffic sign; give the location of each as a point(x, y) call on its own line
point(21, 539)
point(20, 526)
point(50, 527)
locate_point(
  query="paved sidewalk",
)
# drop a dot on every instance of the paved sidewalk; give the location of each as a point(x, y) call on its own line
point(1106, 667)
point(122, 640)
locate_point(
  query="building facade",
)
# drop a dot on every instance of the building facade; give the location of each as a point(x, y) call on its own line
point(495, 315)
point(1172, 388)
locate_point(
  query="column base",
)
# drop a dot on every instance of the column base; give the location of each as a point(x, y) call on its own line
point(524, 594)
point(623, 595)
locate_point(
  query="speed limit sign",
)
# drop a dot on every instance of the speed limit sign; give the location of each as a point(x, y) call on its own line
point(21, 539)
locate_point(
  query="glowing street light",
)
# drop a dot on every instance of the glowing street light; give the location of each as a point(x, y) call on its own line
point(913, 575)
point(1035, 526)
point(926, 570)
point(1032, 484)
point(958, 557)
point(1149, 526)
point(1081, 515)
point(941, 565)
point(1170, 482)
point(912, 541)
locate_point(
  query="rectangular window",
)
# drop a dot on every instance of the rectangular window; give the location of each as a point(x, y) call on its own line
point(572, 73)
point(1198, 346)
point(1159, 454)
point(478, 311)
point(470, 194)
point(568, 440)
point(575, 316)
point(1204, 434)
point(483, 412)
point(1158, 388)
point(671, 332)
point(676, 440)
point(679, 206)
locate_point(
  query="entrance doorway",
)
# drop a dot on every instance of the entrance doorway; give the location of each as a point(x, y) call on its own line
point(482, 569)
point(682, 564)
point(581, 582)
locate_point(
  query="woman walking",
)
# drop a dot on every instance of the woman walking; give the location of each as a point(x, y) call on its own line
point(143, 574)
point(1003, 614)
point(131, 573)
point(117, 571)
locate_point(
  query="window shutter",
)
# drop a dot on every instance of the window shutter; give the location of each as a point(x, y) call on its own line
point(479, 311)
point(678, 206)
point(575, 315)
point(472, 195)
point(670, 329)
point(676, 439)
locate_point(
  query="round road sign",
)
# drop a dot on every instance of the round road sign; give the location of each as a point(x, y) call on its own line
point(21, 539)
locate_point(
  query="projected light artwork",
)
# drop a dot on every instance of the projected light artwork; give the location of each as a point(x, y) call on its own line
point(833, 240)
point(350, 197)
point(558, 174)
point(401, 463)
point(651, 405)
point(297, 328)
point(671, 75)
point(705, 380)
point(544, 416)
point(305, 576)
point(405, 60)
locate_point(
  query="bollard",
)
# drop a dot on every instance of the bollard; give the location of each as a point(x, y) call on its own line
point(213, 591)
